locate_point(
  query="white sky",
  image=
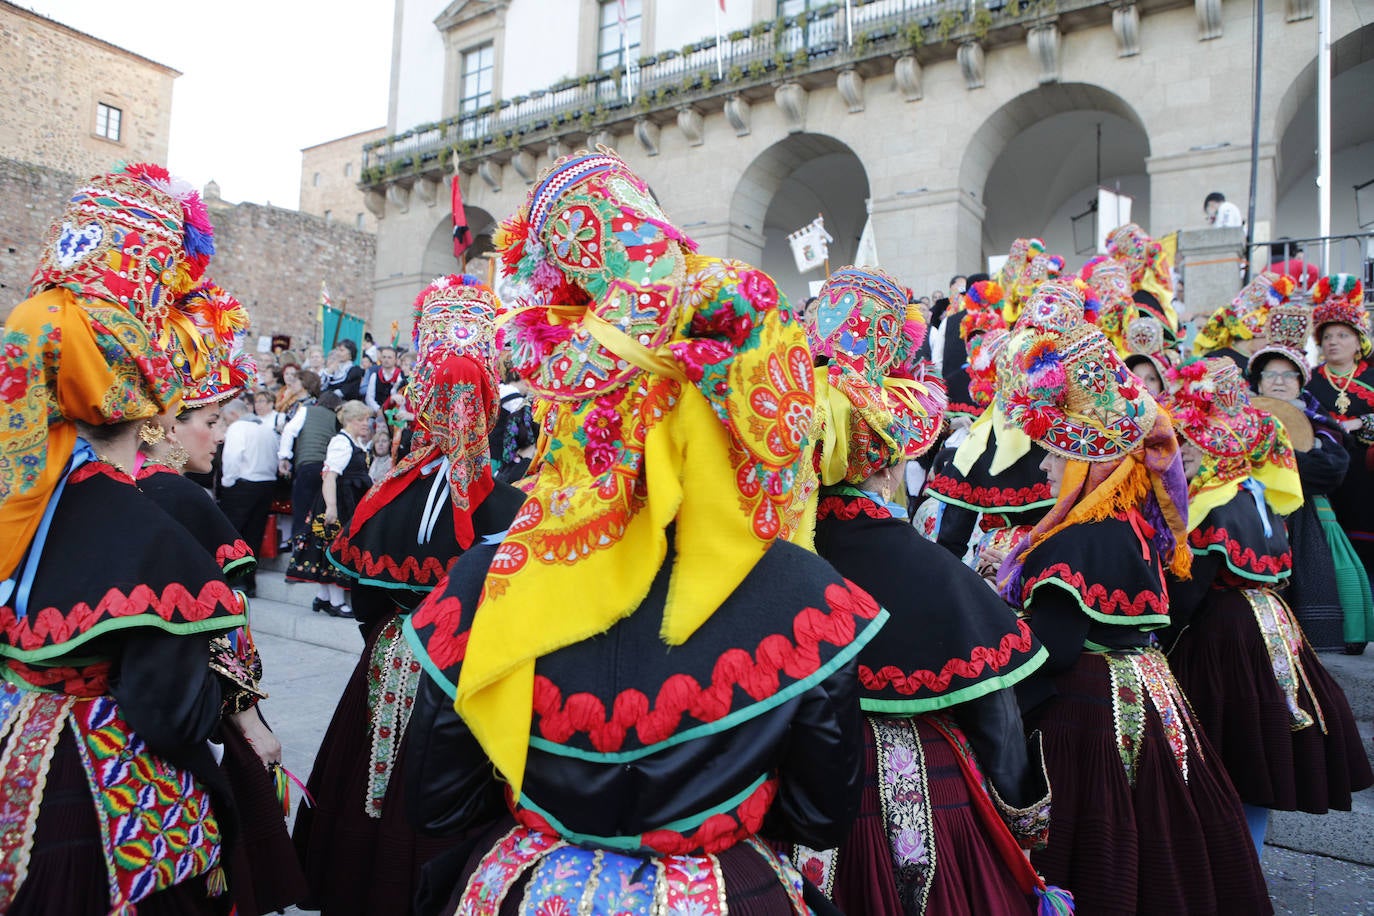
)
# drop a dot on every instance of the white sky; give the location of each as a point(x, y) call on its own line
point(261, 79)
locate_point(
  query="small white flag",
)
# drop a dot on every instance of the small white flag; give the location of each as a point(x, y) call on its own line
point(867, 255)
point(809, 245)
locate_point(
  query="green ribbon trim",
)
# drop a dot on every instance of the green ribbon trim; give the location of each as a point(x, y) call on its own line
point(219, 624)
point(963, 695)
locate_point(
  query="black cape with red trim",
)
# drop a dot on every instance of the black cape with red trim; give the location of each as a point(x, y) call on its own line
point(950, 639)
point(1020, 489)
point(1251, 556)
point(189, 503)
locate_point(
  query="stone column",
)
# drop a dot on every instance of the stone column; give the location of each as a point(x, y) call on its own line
point(1179, 182)
point(1209, 266)
point(924, 237)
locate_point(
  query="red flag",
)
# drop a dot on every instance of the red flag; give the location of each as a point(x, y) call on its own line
point(722, 6)
point(462, 238)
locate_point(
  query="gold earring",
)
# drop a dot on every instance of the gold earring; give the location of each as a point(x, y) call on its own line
point(151, 433)
point(177, 457)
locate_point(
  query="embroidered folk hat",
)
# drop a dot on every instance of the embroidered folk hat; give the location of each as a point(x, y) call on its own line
point(1061, 380)
point(875, 406)
point(678, 391)
point(1027, 266)
point(1210, 403)
point(1244, 317)
point(1147, 264)
point(1339, 299)
point(1286, 332)
point(1145, 339)
point(982, 304)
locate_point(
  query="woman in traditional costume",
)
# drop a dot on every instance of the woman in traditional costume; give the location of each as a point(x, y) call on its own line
point(400, 543)
point(344, 482)
point(1281, 725)
point(1328, 590)
point(1236, 329)
point(645, 673)
point(107, 608)
point(1144, 818)
point(952, 791)
point(202, 335)
point(1344, 386)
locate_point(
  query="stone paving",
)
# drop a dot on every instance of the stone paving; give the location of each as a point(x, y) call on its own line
point(1315, 866)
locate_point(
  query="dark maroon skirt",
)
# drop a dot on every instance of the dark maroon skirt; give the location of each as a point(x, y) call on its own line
point(970, 877)
point(1223, 666)
point(67, 868)
point(355, 863)
point(261, 866)
point(1163, 846)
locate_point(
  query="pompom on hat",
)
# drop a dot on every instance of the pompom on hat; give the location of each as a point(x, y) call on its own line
point(872, 409)
point(203, 335)
point(1339, 299)
point(982, 305)
point(1028, 265)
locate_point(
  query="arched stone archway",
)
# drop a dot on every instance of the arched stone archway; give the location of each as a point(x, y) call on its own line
point(438, 256)
point(784, 188)
point(1033, 164)
point(1352, 145)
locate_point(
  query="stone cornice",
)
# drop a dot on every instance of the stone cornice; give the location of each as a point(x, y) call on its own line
point(461, 12)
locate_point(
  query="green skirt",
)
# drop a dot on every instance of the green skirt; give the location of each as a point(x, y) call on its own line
point(1352, 580)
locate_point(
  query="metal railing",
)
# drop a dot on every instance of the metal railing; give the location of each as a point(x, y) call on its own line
point(765, 52)
point(1349, 254)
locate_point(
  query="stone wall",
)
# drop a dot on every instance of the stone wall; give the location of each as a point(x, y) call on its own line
point(329, 181)
point(55, 76)
point(272, 259)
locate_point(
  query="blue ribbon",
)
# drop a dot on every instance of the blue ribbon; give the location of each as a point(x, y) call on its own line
point(81, 454)
point(1257, 493)
point(896, 510)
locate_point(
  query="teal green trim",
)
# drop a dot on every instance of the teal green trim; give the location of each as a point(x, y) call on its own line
point(709, 728)
point(628, 843)
point(221, 624)
point(963, 695)
point(1247, 574)
point(732, 720)
point(234, 567)
point(376, 583)
point(1091, 646)
point(992, 510)
point(1144, 622)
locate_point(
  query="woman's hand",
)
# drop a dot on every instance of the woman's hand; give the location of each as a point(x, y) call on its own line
point(259, 737)
point(331, 514)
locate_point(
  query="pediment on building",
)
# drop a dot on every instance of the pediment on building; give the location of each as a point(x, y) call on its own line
point(463, 12)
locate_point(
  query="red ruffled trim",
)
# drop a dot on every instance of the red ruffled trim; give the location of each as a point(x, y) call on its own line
point(938, 682)
point(410, 570)
point(758, 675)
point(966, 492)
point(716, 834)
point(1241, 557)
point(445, 646)
point(232, 553)
point(91, 680)
point(98, 468)
point(1111, 603)
point(848, 508)
point(961, 407)
point(175, 604)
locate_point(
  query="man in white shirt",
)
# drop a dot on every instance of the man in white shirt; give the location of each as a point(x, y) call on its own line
point(249, 476)
point(1221, 213)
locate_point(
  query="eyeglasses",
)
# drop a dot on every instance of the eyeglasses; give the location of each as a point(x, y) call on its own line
point(1277, 376)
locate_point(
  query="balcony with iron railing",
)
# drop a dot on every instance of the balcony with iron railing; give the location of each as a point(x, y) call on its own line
point(808, 49)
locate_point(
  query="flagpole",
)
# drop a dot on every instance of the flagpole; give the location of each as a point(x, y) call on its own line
point(848, 30)
point(720, 51)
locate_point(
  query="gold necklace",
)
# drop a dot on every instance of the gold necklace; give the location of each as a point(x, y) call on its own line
point(1342, 399)
point(105, 459)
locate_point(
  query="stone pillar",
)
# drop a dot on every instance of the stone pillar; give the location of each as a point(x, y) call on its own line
point(924, 237)
point(1180, 181)
point(1208, 264)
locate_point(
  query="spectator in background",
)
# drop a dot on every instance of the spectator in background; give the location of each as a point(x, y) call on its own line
point(249, 476)
point(384, 380)
point(314, 360)
point(301, 453)
point(344, 377)
point(1285, 257)
point(1221, 213)
point(370, 347)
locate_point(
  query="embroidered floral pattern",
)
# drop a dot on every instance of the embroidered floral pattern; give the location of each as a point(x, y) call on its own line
point(1283, 640)
point(36, 720)
point(1144, 677)
point(905, 798)
point(393, 677)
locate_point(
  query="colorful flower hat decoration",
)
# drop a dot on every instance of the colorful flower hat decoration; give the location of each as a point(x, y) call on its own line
point(982, 365)
point(454, 394)
point(1285, 334)
point(1244, 317)
point(1339, 299)
point(203, 334)
point(874, 409)
point(677, 390)
point(1210, 404)
point(1111, 284)
point(136, 237)
point(1146, 340)
point(1028, 265)
point(982, 306)
point(1063, 383)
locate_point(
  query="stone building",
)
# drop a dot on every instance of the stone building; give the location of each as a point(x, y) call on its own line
point(957, 127)
point(77, 104)
point(329, 180)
